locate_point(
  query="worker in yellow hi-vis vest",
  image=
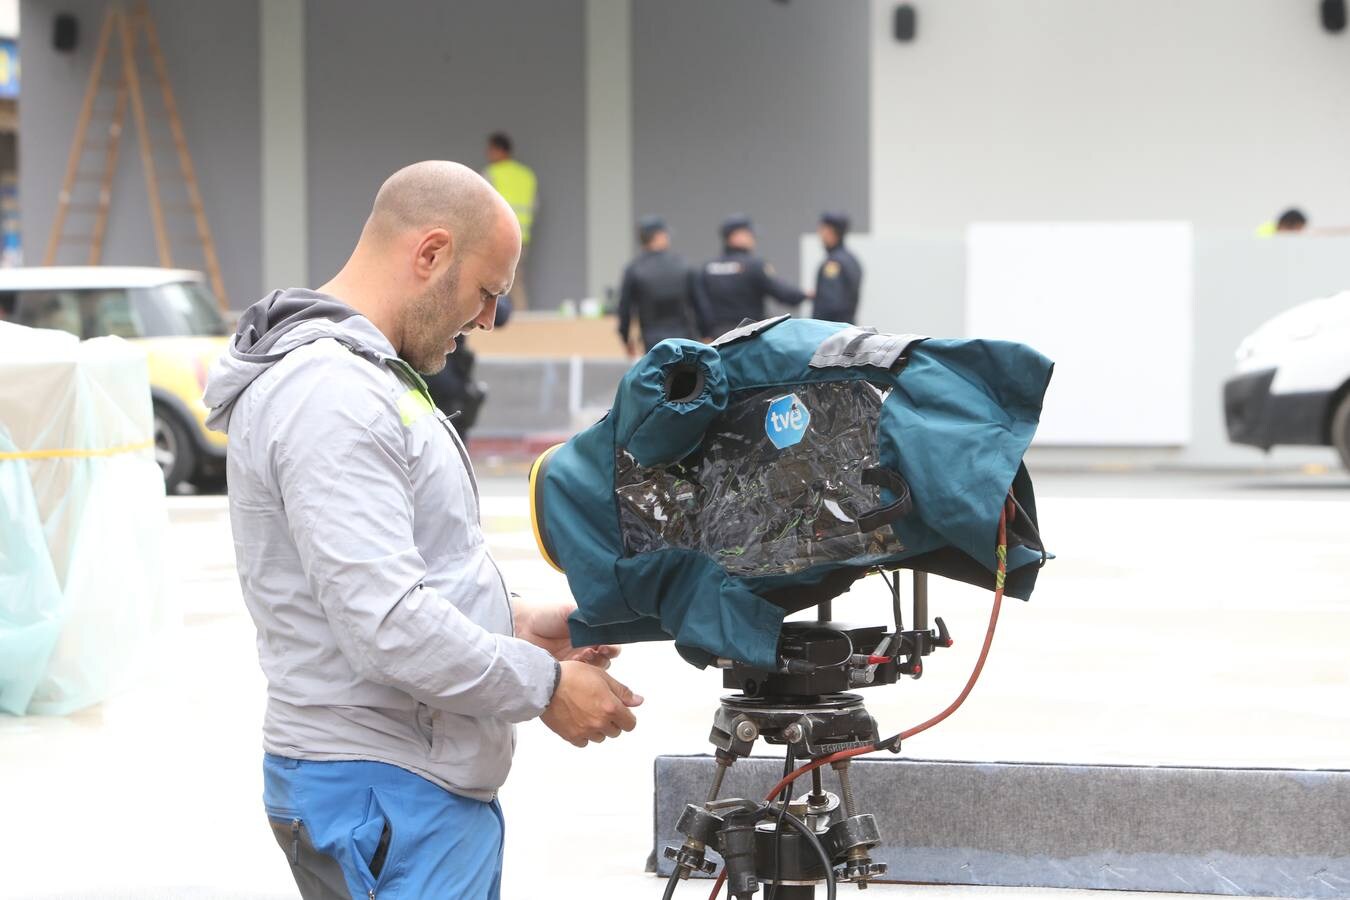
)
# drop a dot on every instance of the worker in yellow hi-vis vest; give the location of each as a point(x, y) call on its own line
point(515, 181)
point(1291, 221)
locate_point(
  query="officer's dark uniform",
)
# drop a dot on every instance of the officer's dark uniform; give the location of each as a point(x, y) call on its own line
point(839, 278)
point(732, 287)
point(658, 286)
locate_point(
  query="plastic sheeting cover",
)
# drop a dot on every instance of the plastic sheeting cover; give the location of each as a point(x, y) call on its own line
point(759, 509)
point(31, 605)
point(82, 519)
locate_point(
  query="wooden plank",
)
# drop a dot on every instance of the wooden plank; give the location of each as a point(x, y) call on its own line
point(551, 336)
point(185, 165)
point(109, 173)
point(81, 126)
point(147, 157)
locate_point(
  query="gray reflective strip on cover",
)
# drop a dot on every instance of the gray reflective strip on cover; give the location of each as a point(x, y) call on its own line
point(747, 329)
point(858, 346)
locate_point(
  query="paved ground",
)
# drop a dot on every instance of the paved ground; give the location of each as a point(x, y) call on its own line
point(1189, 619)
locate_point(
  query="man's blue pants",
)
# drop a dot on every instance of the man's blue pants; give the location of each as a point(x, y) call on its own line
point(369, 829)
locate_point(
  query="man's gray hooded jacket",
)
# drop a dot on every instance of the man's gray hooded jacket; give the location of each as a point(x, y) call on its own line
point(384, 626)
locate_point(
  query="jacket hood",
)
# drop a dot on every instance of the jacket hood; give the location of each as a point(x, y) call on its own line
point(273, 327)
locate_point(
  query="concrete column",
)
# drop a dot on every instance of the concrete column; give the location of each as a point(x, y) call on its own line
point(886, 129)
point(609, 142)
point(285, 214)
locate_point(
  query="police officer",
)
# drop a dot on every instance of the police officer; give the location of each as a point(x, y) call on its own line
point(658, 287)
point(732, 287)
point(839, 278)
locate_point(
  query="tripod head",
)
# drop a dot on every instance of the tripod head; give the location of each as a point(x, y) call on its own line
point(819, 658)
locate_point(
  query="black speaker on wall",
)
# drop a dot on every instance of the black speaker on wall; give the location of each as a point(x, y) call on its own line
point(906, 24)
point(1333, 15)
point(65, 33)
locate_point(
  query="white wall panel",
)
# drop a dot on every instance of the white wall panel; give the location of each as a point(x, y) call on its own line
point(1111, 303)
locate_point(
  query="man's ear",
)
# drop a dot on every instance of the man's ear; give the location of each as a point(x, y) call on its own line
point(434, 249)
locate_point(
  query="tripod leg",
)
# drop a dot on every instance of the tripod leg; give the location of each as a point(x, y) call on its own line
point(845, 787)
point(724, 761)
point(920, 601)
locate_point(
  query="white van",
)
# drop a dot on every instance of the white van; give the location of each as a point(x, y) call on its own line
point(1292, 384)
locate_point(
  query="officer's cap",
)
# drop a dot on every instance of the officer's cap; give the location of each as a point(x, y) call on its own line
point(736, 223)
point(649, 226)
point(836, 220)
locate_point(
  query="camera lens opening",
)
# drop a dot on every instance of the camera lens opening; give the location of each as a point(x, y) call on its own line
point(684, 383)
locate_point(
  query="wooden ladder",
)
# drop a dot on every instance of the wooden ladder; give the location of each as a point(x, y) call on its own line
point(126, 26)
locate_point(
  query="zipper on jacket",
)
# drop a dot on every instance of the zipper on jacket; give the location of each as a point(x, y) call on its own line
point(420, 385)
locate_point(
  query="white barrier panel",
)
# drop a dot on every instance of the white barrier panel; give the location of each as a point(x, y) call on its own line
point(1111, 304)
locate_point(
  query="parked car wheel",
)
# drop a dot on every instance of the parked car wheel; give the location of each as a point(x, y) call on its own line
point(1340, 430)
point(174, 452)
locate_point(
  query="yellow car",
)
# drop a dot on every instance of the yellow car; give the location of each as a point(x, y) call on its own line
point(171, 313)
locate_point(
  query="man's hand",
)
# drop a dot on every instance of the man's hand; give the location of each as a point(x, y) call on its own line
point(545, 626)
point(588, 705)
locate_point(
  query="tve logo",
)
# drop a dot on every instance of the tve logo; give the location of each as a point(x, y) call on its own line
point(787, 421)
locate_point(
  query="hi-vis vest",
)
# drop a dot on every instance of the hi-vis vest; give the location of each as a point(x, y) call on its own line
point(731, 484)
point(515, 181)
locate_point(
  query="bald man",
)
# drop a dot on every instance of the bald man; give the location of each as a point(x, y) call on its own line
point(396, 662)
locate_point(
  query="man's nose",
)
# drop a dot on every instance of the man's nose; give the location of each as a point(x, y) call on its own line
point(487, 315)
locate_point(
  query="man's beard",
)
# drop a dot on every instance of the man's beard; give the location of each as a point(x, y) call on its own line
point(429, 327)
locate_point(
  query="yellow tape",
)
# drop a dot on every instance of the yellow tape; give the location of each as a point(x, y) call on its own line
point(78, 454)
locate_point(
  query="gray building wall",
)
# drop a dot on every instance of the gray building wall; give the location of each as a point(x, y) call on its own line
point(211, 51)
point(393, 84)
point(752, 107)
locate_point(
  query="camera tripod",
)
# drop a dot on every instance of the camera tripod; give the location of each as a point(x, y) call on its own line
point(790, 845)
